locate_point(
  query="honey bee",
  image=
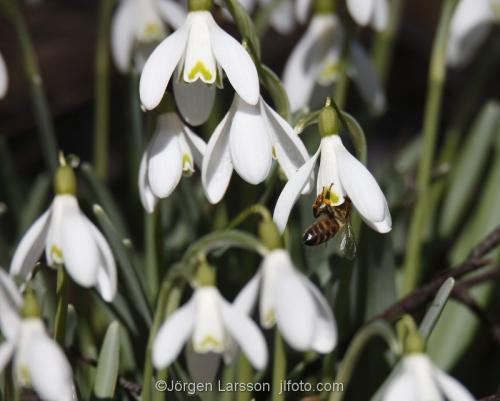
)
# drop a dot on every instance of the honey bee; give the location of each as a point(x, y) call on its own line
point(331, 220)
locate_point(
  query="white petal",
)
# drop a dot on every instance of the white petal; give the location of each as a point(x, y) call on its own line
point(290, 150)
point(402, 387)
point(172, 12)
point(106, 276)
point(360, 186)
point(217, 167)
point(160, 66)
point(325, 337)
point(291, 192)
point(123, 33)
point(6, 351)
point(452, 389)
point(296, 313)
point(328, 171)
point(246, 333)
point(49, 369)
point(79, 250)
point(246, 298)
point(10, 305)
point(282, 18)
point(303, 65)
point(194, 100)
point(380, 16)
point(236, 62)
point(249, 143)
point(148, 199)
point(173, 334)
point(209, 334)
point(165, 157)
point(302, 10)
point(366, 79)
point(197, 145)
point(199, 60)
point(360, 10)
point(30, 247)
point(4, 77)
point(420, 368)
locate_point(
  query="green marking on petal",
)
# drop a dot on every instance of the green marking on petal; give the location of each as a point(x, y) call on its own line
point(200, 69)
point(210, 342)
point(328, 71)
point(151, 29)
point(269, 318)
point(24, 375)
point(56, 252)
point(274, 152)
point(186, 163)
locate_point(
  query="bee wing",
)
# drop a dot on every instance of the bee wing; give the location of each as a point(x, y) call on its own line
point(347, 245)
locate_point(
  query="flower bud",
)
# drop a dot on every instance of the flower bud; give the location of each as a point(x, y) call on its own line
point(269, 234)
point(64, 181)
point(329, 123)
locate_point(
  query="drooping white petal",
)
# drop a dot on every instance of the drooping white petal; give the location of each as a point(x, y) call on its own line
point(197, 145)
point(165, 156)
point(172, 12)
point(383, 226)
point(246, 298)
point(208, 332)
point(283, 18)
point(246, 334)
point(160, 66)
point(249, 143)
point(194, 100)
point(199, 60)
point(420, 368)
point(173, 334)
point(10, 305)
point(302, 10)
point(4, 77)
point(402, 387)
point(79, 250)
point(296, 313)
point(380, 15)
point(148, 198)
point(361, 10)
point(328, 172)
point(6, 352)
point(123, 34)
point(291, 192)
point(366, 79)
point(360, 186)
point(62, 206)
point(217, 166)
point(325, 336)
point(452, 389)
point(106, 276)
point(30, 247)
point(303, 65)
point(236, 62)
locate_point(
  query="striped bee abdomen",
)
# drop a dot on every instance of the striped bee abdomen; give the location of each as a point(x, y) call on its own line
point(320, 231)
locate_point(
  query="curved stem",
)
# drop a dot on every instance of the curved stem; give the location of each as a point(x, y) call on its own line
point(61, 306)
point(242, 216)
point(437, 76)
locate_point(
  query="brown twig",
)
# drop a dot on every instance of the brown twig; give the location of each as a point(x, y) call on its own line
point(493, 397)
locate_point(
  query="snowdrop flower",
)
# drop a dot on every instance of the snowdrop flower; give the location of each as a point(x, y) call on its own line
point(70, 238)
point(471, 23)
point(4, 78)
point(173, 151)
point(418, 379)
point(289, 300)
point(315, 59)
point(340, 172)
point(246, 140)
point(213, 325)
point(199, 50)
point(139, 23)
point(39, 363)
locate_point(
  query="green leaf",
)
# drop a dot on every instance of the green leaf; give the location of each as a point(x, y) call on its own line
point(35, 202)
point(357, 135)
point(434, 312)
point(272, 83)
point(245, 27)
point(305, 121)
point(129, 275)
point(107, 365)
point(469, 167)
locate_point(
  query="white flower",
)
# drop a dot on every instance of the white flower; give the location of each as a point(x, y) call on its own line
point(344, 175)
point(199, 49)
point(417, 379)
point(172, 152)
point(315, 61)
point(68, 238)
point(39, 363)
point(4, 77)
point(212, 324)
point(247, 139)
point(471, 23)
point(369, 12)
point(139, 23)
point(290, 300)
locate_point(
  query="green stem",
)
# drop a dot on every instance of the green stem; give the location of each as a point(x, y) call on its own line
point(383, 48)
point(242, 216)
point(377, 328)
point(437, 76)
point(101, 108)
point(136, 142)
point(279, 367)
point(151, 245)
point(342, 83)
point(61, 306)
point(244, 376)
point(38, 97)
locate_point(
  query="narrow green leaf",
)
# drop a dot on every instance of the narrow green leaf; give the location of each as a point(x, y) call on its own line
point(35, 202)
point(272, 83)
point(357, 136)
point(467, 170)
point(108, 362)
point(128, 272)
point(434, 312)
point(305, 121)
